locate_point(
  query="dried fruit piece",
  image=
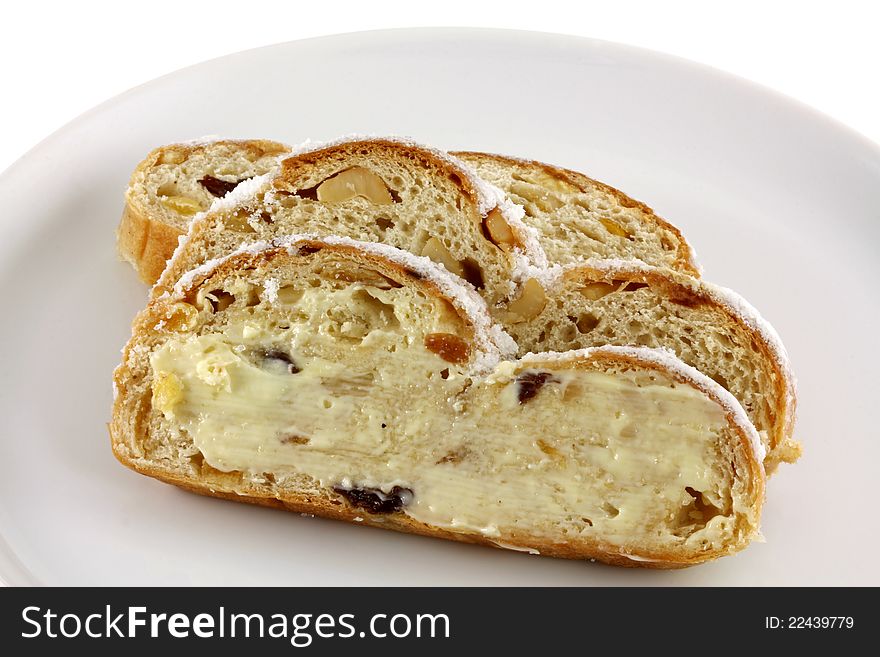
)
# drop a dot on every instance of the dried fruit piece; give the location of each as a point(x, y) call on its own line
point(448, 346)
point(172, 157)
point(294, 439)
point(179, 317)
point(375, 500)
point(167, 392)
point(217, 187)
point(238, 221)
point(356, 181)
point(529, 383)
point(437, 251)
point(545, 199)
point(498, 230)
point(530, 302)
point(182, 205)
point(613, 228)
point(547, 448)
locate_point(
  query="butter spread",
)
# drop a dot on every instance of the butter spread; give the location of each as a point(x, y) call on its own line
point(626, 453)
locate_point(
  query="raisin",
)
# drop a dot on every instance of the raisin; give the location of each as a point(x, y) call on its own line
point(375, 500)
point(279, 357)
point(530, 383)
point(217, 187)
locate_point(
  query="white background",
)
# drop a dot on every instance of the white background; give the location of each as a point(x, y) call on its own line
point(61, 58)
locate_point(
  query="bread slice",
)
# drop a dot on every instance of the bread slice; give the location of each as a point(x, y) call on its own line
point(710, 328)
point(579, 218)
point(576, 217)
point(174, 183)
point(359, 382)
point(384, 190)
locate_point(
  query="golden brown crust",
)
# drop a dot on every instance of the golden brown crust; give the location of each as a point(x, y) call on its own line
point(294, 168)
point(684, 259)
point(145, 242)
point(783, 447)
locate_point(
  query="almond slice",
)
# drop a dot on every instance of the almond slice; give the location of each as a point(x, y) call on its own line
point(356, 181)
point(437, 251)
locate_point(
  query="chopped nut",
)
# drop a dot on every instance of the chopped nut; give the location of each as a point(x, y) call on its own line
point(436, 251)
point(449, 347)
point(613, 228)
point(595, 291)
point(498, 230)
point(530, 302)
point(545, 199)
point(182, 205)
point(167, 392)
point(356, 181)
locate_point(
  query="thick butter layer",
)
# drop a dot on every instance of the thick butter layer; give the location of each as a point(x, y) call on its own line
point(589, 451)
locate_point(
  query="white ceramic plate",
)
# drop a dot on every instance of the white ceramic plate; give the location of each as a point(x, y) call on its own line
point(781, 203)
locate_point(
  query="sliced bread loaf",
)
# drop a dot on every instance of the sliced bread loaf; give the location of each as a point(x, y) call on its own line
point(578, 218)
point(174, 183)
point(710, 328)
point(575, 217)
point(375, 389)
point(389, 191)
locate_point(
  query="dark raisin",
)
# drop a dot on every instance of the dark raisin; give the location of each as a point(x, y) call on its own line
point(375, 500)
point(529, 384)
point(472, 273)
point(279, 357)
point(217, 187)
point(307, 249)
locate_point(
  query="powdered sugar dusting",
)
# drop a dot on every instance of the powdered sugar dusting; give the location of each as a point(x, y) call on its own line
point(204, 140)
point(270, 289)
point(667, 360)
point(493, 342)
point(245, 191)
